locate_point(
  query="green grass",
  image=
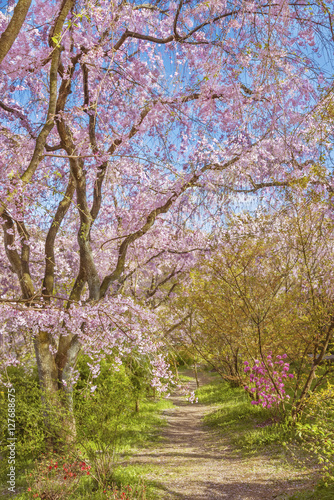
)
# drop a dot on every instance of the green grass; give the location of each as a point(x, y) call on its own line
point(245, 423)
point(132, 476)
point(144, 427)
point(321, 492)
point(185, 378)
point(142, 430)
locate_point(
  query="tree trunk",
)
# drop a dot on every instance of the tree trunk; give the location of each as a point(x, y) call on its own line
point(297, 410)
point(196, 374)
point(57, 391)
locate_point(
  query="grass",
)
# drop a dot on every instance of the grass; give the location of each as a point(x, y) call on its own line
point(142, 430)
point(251, 427)
point(184, 378)
point(144, 427)
point(321, 492)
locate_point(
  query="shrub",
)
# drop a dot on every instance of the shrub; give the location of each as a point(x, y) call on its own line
point(316, 429)
point(30, 432)
point(103, 413)
point(267, 381)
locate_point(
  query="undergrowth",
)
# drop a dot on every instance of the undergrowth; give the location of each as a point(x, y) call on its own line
point(118, 417)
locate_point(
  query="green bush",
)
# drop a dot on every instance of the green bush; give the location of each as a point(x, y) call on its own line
point(29, 425)
point(112, 418)
point(102, 417)
point(251, 427)
point(321, 492)
point(316, 429)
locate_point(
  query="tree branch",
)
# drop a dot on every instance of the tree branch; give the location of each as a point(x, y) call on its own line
point(171, 275)
point(48, 126)
point(53, 148)
point(20, 264)
point(10, 34)
point(97, 196)
point(174, 36)
point(150, 220)
point(48, 281)
point(87, 270)
point(18, 114)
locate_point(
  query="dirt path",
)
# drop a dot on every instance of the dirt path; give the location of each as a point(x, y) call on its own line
point(193, 462)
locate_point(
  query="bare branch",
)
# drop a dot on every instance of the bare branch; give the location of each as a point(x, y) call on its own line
point(171, 275)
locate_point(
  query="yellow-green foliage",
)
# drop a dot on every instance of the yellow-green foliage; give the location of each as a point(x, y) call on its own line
point(316, 430)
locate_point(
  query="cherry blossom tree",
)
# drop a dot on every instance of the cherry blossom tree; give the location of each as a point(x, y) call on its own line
point(124, 126)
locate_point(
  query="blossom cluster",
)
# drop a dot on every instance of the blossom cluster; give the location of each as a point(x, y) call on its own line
point(267, 380)
point(185, 390)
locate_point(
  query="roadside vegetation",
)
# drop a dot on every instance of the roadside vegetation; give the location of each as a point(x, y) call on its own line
point(119, 415)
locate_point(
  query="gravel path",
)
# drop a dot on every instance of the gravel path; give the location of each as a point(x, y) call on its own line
point(193, 462)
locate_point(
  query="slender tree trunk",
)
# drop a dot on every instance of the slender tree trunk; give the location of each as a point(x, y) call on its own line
point(196, 374)
point(297, 410)
point(316, 362)
point(65, 378)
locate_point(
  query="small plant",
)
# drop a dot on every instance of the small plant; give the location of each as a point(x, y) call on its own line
point(56, 478)
point(137, 492)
